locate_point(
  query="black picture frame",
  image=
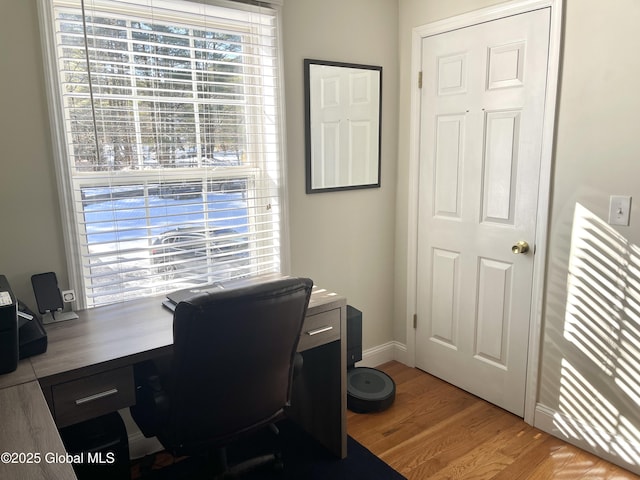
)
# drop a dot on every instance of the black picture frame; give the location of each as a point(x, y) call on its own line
point(374, 162)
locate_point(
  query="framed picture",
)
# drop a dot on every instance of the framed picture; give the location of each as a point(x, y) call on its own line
point(343, 125)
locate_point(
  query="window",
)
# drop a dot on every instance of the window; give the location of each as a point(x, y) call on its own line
point(167, 130)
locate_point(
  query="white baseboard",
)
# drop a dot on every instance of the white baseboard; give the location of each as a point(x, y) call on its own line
point(612, 448)
point(372, 357)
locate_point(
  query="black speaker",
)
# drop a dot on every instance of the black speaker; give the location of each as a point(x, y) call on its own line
point(368, 389)
point(354, 336)
point(8, 328)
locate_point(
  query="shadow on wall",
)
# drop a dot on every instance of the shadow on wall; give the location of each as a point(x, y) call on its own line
point(599, 375)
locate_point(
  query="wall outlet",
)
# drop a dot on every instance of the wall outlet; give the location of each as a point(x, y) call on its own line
point(68, 296)
point(619, 209)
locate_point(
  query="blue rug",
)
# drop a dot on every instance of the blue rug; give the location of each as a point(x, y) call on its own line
point(303, 457)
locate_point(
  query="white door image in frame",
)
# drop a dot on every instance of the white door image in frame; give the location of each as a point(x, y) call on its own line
point(482, 111)
point(345, 125)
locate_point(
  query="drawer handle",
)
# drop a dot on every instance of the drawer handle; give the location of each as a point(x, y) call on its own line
point(97, 396)
point(311, 333)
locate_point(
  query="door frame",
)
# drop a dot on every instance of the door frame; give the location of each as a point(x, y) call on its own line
point(544, 190)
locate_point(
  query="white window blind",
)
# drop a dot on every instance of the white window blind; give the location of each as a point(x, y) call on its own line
point(168, 133)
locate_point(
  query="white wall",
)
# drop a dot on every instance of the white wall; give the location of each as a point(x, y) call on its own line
point(345, 240)
point(30, 233)
point(590, 369)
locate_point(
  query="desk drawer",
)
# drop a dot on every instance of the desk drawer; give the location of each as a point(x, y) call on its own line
point(92, 396)
point(320, 329)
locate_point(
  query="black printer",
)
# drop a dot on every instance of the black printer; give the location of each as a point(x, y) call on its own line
point(32, 337)
point(21, 332)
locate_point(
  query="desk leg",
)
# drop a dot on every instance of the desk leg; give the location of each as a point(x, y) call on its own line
point(319, 397)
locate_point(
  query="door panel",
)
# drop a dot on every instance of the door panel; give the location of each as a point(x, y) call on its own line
point(448, 164)
point(500, 166)
point(480, 144)
point(494, 298)
point(445, 294)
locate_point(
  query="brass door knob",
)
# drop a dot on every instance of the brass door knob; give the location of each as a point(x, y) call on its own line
point(520, 247)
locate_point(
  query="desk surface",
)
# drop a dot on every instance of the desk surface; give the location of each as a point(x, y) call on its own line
point(29, 435)
point(122, 334)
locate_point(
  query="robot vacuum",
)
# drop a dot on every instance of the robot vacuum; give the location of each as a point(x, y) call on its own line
point(368, 390)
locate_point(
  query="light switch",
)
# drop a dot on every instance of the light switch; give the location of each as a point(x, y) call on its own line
point(619, 209)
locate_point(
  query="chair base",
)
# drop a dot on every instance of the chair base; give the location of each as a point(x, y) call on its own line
point(245, 455)
point(251, 464)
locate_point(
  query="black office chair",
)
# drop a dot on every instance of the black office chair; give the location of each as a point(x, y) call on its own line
point(231, 370)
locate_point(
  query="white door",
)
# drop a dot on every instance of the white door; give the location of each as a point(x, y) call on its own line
point(482, 107)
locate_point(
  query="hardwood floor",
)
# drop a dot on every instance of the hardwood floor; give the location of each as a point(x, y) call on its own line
point(436, 431)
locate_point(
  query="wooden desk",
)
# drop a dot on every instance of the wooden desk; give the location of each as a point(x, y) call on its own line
point(29, 435)
point(88, 367)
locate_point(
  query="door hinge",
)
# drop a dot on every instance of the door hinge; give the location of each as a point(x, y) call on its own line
point(419, 79)
point(415, 320)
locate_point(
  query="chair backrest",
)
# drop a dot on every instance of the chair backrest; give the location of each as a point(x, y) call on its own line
point(233, 356)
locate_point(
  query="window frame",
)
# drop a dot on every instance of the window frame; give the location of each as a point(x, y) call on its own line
point(69, 188)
